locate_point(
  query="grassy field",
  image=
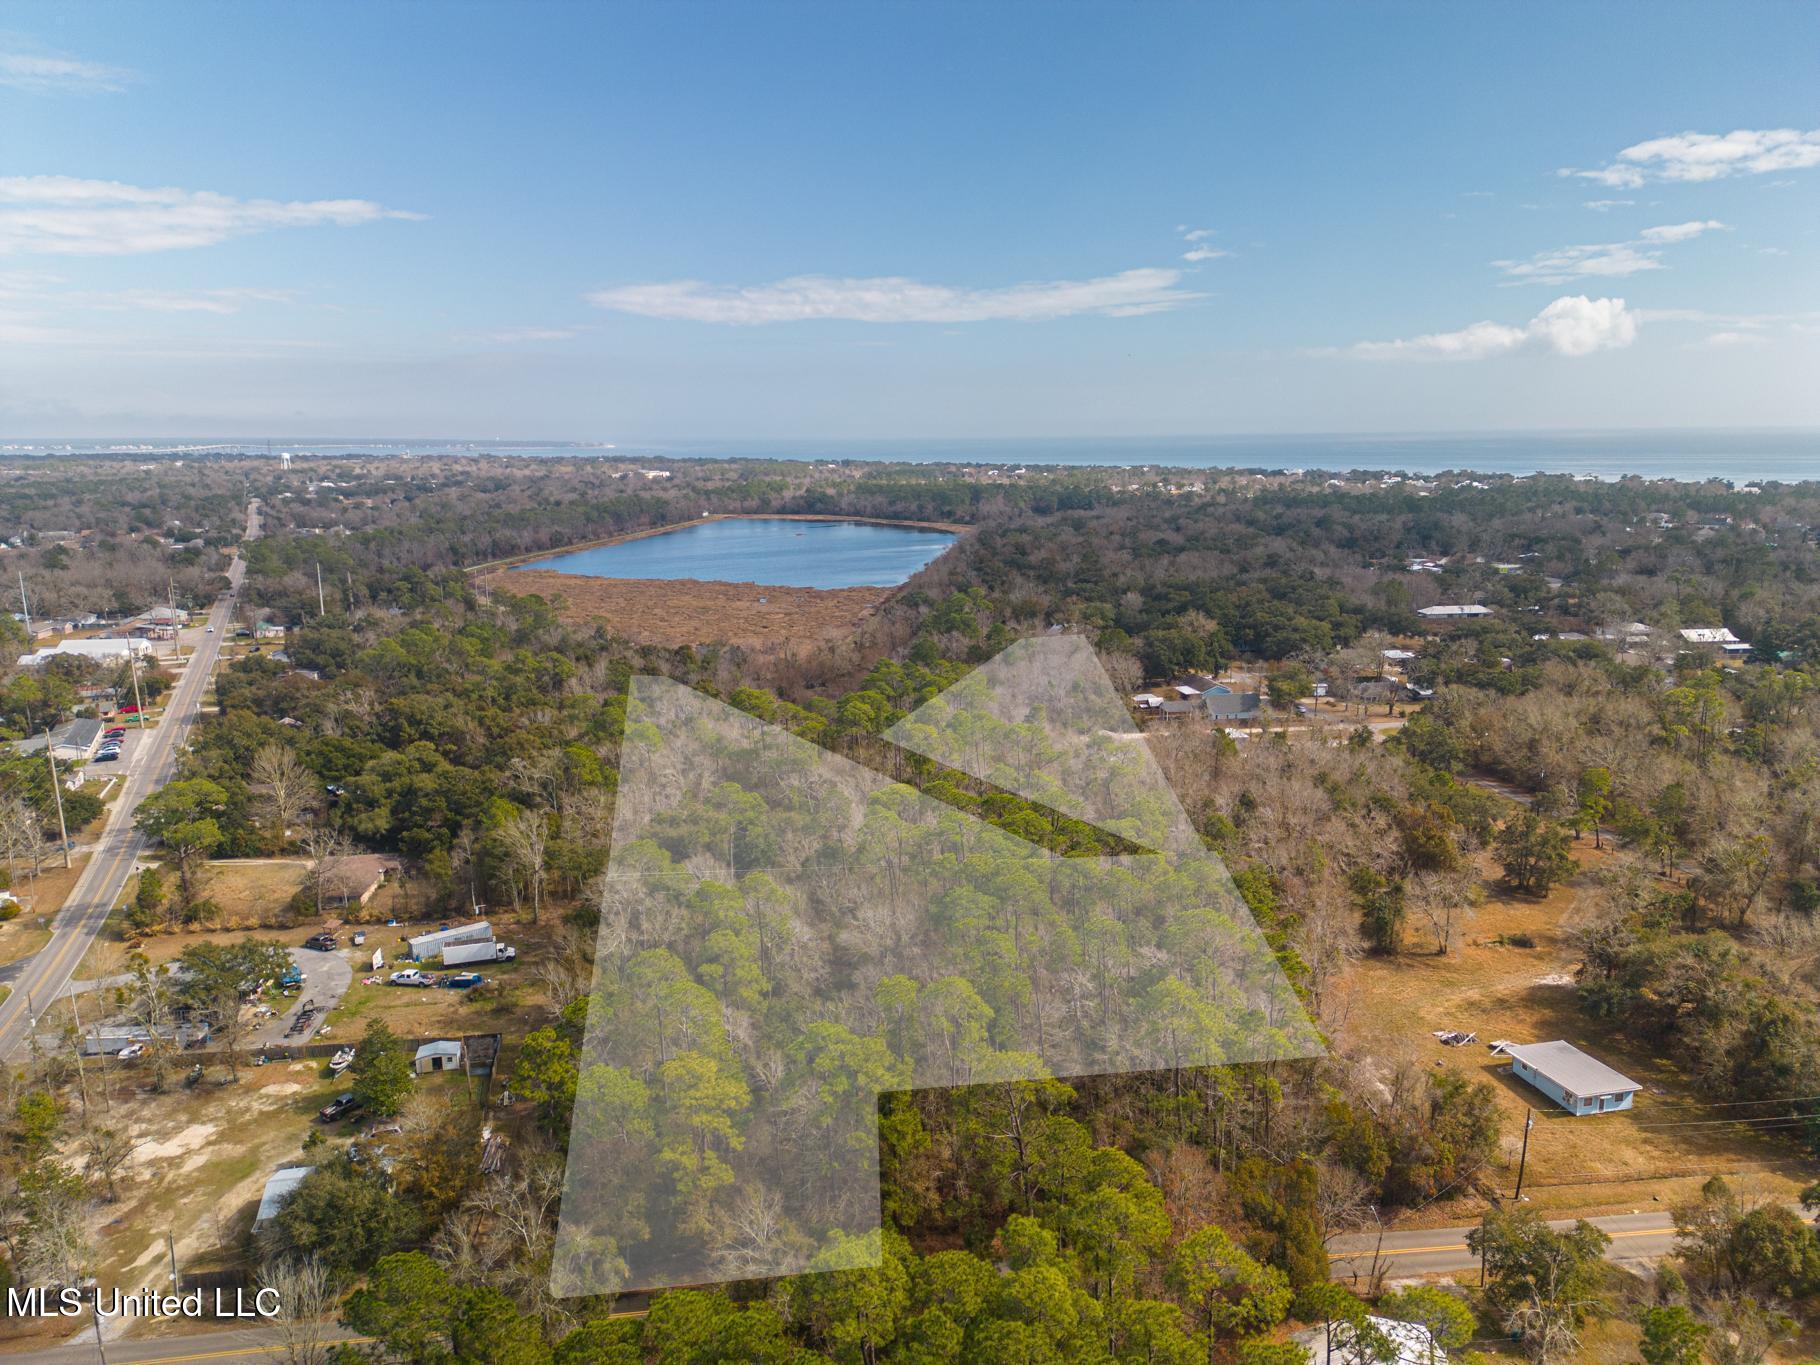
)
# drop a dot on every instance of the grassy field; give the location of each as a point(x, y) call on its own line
point(1612, 1163)
point(691, 612)
point(252, 892)
point(40, 899)
point(511, 1001)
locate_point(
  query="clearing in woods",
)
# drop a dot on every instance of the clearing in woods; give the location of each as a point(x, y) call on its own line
point(1608, 1163)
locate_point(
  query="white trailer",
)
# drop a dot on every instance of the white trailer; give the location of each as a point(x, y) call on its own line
point(436, 943)
point(460, 954)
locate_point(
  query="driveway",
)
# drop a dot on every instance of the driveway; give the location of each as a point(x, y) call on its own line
point(326, 977)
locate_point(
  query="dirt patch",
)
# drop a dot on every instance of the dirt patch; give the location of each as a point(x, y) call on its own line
point(687, 611)
point(178, 1144)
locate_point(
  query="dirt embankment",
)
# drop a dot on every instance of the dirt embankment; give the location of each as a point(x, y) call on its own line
point(687, 611)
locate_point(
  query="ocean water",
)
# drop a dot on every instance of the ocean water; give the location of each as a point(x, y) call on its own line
point(1740, 456)
point(793, 554)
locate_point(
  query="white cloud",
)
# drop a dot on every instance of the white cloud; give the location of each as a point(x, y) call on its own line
point(1204, 253)
point(185, 300)
point(46, 74)
point(1606, 205)
point(514, 335)
point(1607, 260)
point(1709, 156)
point(1730, 340)
point(1682, 232)
point(1599, 260)
point(65, 215)
point(1570, 326)
point(1130, 293)
point(1195, 234)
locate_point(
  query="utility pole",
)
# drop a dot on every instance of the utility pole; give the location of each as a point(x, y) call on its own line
point(25, 609)
point(57, 791)
point(94, 1303)
point(170, 1243)
point(81, 1071)
point(1523, 1161)
point(321, 606)
point(132, 661)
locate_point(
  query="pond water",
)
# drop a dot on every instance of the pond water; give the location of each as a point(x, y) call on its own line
point(770, 550)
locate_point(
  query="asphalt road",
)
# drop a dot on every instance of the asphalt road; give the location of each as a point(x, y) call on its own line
point(227, 1347)
point(1434, 1251)
point(48, 971)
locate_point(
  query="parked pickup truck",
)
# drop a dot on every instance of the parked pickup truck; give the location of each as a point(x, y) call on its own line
point(338, 1108)
point(410, 976)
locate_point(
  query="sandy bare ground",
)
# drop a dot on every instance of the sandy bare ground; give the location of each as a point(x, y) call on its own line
point(687, 611)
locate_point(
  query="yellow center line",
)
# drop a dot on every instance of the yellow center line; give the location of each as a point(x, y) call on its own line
point(268, 1350)
point(1461, 1246)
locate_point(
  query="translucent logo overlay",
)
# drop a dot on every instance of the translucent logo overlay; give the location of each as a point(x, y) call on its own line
point(786, 934)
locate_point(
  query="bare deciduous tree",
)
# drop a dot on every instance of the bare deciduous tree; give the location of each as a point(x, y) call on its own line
point(525, 836)
point(284, 791)
point(323, 845)
point(304, 1295)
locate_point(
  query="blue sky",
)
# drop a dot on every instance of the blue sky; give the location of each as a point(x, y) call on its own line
point(698, 221)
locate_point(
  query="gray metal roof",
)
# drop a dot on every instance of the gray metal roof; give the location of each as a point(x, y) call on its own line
point(279, 1188)
point(1231, 704)
point(1572, 1069)
point(79, 733)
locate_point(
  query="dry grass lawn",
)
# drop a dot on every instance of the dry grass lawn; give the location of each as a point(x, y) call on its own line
point(1612, 1163)
point(512, 1001)
point(253, 891)
point(40, 898)
point(685, 611)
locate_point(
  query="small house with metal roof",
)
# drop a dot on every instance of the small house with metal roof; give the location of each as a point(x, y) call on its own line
point(1579, 1083)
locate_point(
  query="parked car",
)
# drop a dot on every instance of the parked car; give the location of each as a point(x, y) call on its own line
point(410, 976)
point(322, 943)
point(107, 758)
point(118, 732)
point(461, 981)
point(338, 1108)
point(130, 1051)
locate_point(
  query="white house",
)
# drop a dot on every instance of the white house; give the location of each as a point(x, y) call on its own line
point(1716, 637)
point(71, 742)
point(1412, 1344)
point(1460, 611)
point(1578, 1083)
point(104, 651)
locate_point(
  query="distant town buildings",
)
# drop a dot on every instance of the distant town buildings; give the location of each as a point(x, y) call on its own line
point(103, 651)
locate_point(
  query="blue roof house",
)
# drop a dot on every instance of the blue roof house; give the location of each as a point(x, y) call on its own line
point(1578, 1083)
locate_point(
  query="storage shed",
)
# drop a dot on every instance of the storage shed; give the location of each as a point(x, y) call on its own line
point(442, 1056)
